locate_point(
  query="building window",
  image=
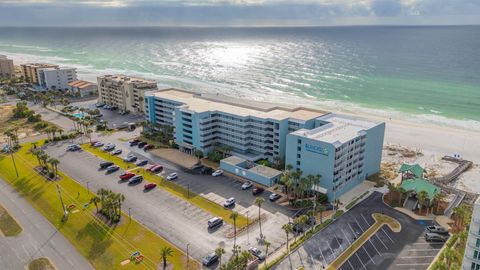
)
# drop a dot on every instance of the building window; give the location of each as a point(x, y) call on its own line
point(299, 148)
point(299, 141)
point(299, 156)
point(475, 255)
point(298, 163)
point(478, 243)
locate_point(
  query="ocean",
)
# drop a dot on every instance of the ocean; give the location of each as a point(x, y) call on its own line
point(425, 74)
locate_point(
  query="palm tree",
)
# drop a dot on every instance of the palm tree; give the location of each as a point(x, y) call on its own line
point(302, 221)
point(288, 228)
point(219, 252)
point(95, 200)
point(165, 253)
point(54, 162)
point(321, 208)
point(267, 245)
point(449, 256)
point(391, 190)
point(422, 197)
point(234, 216)
point(259, 201)
point(402, 191)
point(438, 199)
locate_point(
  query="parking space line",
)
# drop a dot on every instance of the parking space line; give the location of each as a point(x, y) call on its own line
point(345, 236)
point(364, 249)
point(361, 214)
point(383, 230)
point(359, 225)
point(381, 241)
point(358, 257)
point(370, 240)
point(353, 268)
point(324, 261)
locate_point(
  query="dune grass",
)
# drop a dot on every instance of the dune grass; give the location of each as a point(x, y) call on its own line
point(8, 225)
point(177, 190)
point(104, 246)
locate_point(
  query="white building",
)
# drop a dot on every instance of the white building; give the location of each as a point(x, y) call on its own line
point(56, 78)
point(7, 69)
point(126, 93)
point(83, 88)
point(471, 258)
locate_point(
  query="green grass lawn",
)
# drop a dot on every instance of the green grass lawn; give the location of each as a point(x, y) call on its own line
point(8, 225)
point(177, 190)
point(41, 264)
point(104, 246)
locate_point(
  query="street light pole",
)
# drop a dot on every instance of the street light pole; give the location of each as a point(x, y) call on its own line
point(248, 237)
point(63, 205)
point(13, 160)
point(129, 216)
point(187, 255)
point(88, 188)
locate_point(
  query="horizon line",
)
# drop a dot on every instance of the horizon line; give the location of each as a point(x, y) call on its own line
point(234, 26)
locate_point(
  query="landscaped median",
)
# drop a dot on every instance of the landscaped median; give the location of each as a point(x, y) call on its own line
point(177, 190)
point(380, 220)
point(8, 225)
point(106, 247)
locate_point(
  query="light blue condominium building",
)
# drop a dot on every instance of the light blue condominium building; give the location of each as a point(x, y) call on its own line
point(257, 130)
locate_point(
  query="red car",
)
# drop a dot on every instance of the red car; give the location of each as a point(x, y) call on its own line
point(257, 190)
point(156, 169)
point(149, 186)
point(148, 147)
point(126, 175)
point(93, 143)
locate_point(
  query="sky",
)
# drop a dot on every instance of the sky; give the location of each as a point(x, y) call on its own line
point(237, 12)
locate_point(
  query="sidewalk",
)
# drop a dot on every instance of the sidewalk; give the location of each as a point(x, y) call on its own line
point(39, 237)
point(413, 215)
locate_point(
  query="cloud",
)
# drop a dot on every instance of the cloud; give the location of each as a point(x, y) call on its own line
point(237, 12)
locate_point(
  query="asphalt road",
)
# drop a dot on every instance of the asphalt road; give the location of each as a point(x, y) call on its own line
point(39, 238)
point(381, 251)
point(174, 219)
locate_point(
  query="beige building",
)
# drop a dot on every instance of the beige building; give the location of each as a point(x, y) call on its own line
point(30, 71)
point(7, 69)
point(126, 93)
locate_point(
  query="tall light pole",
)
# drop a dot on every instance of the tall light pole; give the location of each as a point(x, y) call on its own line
point(13, 160)
point(248, 237)
point(88, 188)
point(187, 255)
point(64, 218)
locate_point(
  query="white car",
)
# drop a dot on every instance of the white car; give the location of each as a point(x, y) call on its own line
point(98, 144)
point(229, 202)
point(217, 173)
point(130, 158)
point(247, 185)
point(109, 147)
point(172, 176)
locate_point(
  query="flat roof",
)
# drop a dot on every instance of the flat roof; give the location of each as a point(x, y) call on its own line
point(256, 169)
point(233, 160)
point(338, 128)
point(207, 102)
point(124, 78)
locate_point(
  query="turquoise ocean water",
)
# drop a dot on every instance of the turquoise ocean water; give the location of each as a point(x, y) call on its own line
point(430, 74)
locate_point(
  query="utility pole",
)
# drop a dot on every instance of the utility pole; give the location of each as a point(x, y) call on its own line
point(64, 218)
point(187, 255)
point(88, 188)
point(129, 216)
point(188, 191)
point(13, 160)
point(248, 237)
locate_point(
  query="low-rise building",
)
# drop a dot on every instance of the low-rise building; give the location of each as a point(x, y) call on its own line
point(56, 78)
point(30, 71)
point(471, 257)
point(126, 93)
point(83, 88)
point(7, 70)
point(343, 150)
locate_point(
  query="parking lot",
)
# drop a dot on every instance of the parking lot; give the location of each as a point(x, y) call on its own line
point(384, 250)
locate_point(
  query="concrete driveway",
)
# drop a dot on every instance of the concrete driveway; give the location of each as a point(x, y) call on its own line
point(381, 251)
point(39, 237)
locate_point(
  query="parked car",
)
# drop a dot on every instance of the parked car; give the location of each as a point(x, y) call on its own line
point(229, 202)
point(73, 147)
point(210, 259)
point(117, 152)
point(130, 158)
point(247, 185)
point(148, 147)
point(142, 162)
point(98, 144)
point(436, 229)
point(126, 175)
point(99, 105)
point(297, 228)
point(149, 186)
point(214, 222)
point(107, 107)
point(172, 176)
point(134, 142)
point(92, 143)
point(109, 147)
point(206, 170)
point(217, 173)
point(435, 237)
point(257, 190)
point(141, 144)
point(155, 168)
point(113, 168)
point(274, 196)
point(257, 253)
point(135, 180)
point(105, 164)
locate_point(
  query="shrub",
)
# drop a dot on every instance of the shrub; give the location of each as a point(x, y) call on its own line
point(40, 125)
point(338, 213)
point(47, 141)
